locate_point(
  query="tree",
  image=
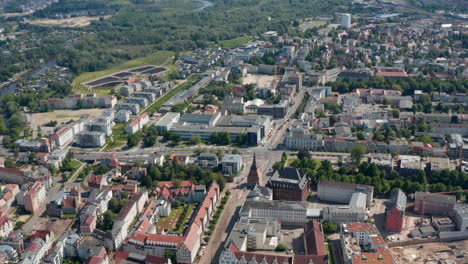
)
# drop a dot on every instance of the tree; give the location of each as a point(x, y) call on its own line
point(281, 247)
point(150, 140)
point(147, 182)
point(9, 163)
point(396, 113)
point(329, 227)
point(304, 154)
point(278, 165)
point(195, 140)
point(360, 135)
point(357, 153)
point(101, 169)
point(386, 101)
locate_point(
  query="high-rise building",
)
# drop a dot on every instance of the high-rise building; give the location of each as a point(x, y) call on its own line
point(346, 20)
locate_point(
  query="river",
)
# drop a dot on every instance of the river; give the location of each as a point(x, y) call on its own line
point(205, 5)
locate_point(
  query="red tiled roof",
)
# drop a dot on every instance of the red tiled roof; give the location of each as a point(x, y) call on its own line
point(89, 220)
point(307, 259)
point(192, 236)
point(94, 260)
point(155, 260)
point(314, 238)
point(259, 257)
point(69, 202)
point(61, 132)
point(362, 227)
point(383, 256)
point(11, 171)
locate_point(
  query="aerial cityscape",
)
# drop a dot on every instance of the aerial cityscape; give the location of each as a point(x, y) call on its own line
point(233, 131)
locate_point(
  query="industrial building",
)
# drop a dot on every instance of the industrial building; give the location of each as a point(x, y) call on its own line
point(341, 192)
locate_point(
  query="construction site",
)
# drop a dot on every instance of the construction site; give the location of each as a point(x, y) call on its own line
point(432, 253)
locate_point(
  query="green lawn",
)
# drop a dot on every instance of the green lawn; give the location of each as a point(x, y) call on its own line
point(119, 138)
point(169, 222)
point(234, 43)
point(156, 58)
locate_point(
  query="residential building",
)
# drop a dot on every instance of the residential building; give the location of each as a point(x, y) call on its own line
point(301, 138)
point(63, 136)
point(90, 139)
point(289, 184)
point(137, 124)
point(342, 192)
point(34, 145)
point(142, 102)
point(133, 107)
point(231, 164)
point(447, 129)
point(207, 160)
point(361, 243)
point(35, 198)
point(395, 212)
point(123, 116)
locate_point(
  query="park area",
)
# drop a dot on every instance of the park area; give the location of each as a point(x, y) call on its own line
point(175, 222)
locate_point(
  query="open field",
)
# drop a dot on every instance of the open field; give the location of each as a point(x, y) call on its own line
point(62, 116)
point(156, 58)
point(432, 253)
point(82, 21)
point(234, 43)
point(262, 81)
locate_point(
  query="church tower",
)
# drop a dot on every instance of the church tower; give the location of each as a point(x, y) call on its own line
point(255, 175)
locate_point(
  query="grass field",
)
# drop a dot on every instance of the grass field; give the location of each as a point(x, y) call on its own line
point(156, 58)
point(169, 222)
point(234, 43)
point(117, 139)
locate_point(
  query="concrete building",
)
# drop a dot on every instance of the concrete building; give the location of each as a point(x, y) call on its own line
point(142, 102)
point(346, 20)
point(341, 192)
point(231, 164)
point(97, 126)
point(123, 116)
point(434, 204)
point(90, 139)
point(35, 198)
point(300, 138)
point(233, 105)
point(460, 217)
point(288, 212)
point(255, 234)
point(289, 184)
point(133, 107)
point(395, 213)
point(167, 121)
point(207, 160)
